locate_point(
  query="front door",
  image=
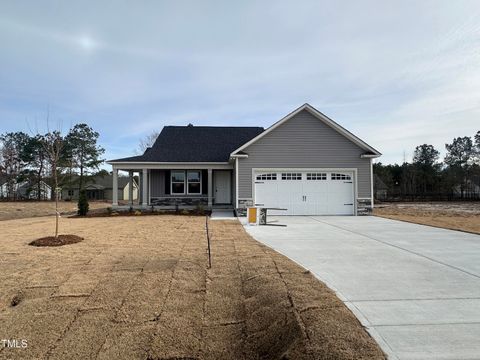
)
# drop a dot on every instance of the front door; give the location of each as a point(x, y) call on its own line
point(223, 188)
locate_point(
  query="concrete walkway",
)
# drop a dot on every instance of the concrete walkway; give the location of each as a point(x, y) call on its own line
point(222, 214)
point(416, 288)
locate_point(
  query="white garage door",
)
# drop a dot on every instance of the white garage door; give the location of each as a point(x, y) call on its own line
point(305, 192)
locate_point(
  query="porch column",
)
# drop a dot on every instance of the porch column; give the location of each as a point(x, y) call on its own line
point(115, 187)
point(144, 187)
point(210, 202)
point(130, 187)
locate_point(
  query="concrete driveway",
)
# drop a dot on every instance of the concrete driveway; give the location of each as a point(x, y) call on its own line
point(416, 288)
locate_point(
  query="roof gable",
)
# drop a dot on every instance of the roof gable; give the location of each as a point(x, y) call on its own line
point(320, 116)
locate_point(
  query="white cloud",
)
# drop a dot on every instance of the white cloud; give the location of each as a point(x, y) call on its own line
point(397, 74)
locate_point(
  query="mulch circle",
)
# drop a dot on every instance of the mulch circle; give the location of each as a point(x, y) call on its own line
point(59, 241)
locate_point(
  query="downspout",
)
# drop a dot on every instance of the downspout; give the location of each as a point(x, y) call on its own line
point(236, 182)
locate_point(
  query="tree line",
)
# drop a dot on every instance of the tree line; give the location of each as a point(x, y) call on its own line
point(50, 158)
point(457, 176)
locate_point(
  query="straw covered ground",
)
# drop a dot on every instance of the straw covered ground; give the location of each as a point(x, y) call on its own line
point(10, 210)
point(139, 288)
point(463, 216)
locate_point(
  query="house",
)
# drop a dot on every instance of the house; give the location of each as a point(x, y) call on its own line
point(100, 188)
point(305, 163)
point(381, 190)
point(469, 190)
point(25, 190)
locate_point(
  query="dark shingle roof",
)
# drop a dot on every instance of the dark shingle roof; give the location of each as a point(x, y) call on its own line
point(106, 182)
point(196, 144)
point(98, 182)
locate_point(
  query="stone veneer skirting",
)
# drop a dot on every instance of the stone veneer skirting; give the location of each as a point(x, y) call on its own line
point(364, 206)
point(180, 201)
point(243, 204)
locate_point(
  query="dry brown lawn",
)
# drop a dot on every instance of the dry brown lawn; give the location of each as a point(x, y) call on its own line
point(26, 209)
point(139, 288)
point(464, 216)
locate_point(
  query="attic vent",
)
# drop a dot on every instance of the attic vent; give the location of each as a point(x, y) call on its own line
point(190, 125)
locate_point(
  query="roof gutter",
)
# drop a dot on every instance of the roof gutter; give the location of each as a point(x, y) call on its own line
point(113, 162)
point(370, 156)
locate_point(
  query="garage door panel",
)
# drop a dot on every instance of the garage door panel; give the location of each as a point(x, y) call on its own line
point(267, 193)
point(340, 196)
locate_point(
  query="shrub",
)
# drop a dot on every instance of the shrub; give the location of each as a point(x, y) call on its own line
point(82, 203)
point(200, 210)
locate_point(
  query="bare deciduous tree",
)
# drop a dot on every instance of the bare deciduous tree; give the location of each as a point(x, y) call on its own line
point(53, 144)
point(147, 142)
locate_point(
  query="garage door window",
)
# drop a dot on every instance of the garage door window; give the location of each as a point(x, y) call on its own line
point(316, 176)
point(336, 176)
point(267, 177)
point(291, 176)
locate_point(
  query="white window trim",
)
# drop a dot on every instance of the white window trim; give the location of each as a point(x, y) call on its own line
point(194, 182)
point(185, 182)
point(177, 182)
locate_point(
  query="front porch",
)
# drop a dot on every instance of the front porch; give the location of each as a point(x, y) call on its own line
point(177, 186)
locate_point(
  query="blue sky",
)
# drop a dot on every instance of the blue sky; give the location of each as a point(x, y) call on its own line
point(397, 74)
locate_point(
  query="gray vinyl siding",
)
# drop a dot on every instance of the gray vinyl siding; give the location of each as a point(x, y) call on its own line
point(303, 142)
point(157, 178)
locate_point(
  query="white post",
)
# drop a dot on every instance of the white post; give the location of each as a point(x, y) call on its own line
point(372, 194)
point(130, 187)
point(210, 202)
point(115, 187)
point(144, 187)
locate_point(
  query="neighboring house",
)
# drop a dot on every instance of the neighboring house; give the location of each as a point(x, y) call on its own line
point(100, 188)
point(25, 190)
point(471, 190)
point(305, 163)
point(381, 190)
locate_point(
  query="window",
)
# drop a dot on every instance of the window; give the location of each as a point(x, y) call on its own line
point(291, 176)
point(178, 182)
point(336, 176)
point(70, 192)
point(186, 182)
point(316, 176)
point(194, 185)
point(267, 177)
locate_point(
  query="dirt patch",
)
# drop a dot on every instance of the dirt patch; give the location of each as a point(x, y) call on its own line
point(17, 298)
point(141, 288)
point(56, 241)
point(454, 216)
